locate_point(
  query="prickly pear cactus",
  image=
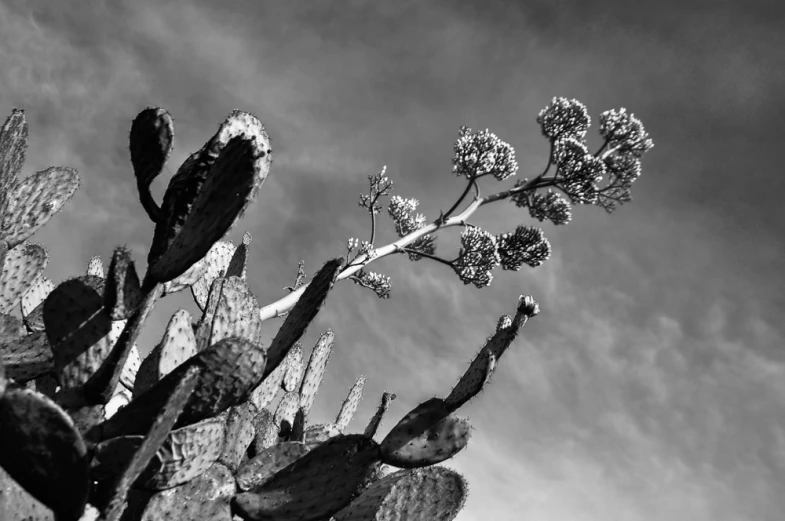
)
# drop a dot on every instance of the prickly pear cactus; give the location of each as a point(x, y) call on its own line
point(194, 431)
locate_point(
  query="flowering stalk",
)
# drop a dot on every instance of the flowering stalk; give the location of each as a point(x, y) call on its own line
point(286, 303)
point(380, 186)
point(578, 174)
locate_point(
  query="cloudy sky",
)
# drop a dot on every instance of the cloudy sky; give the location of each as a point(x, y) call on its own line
point(652, 385)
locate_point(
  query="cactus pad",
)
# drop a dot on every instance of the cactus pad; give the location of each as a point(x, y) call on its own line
point(16, 504)
point(315, 435)
point(11, 328)
point(266, 464)
point(44, 452)
point(122, 293)
point(237, 313)
point(349, 406)
point(177, 346)
point(151, 142)
point(32, 201)
point(315, 486)
point(131, 368)
point(314, 373)
point(213, 265)
point(21, 267)
point(36, 294)
point(28, 357)
point(266, 391)
point(426, 436)
point(304, 311)
point(294, 369)
point(156, 436)
point(238, 265)
point(429, 494)
point(205, 498)
point(376, 419)
point(78, 328)
point(13, 148)
point(95, 267)
point(240, 433)
point(473, 380)
point(208, 193)
point(227, 372)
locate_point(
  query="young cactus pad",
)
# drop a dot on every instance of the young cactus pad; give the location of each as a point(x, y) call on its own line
point(151, 142)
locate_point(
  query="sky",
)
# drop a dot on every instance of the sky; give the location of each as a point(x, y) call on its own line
point(651, 386)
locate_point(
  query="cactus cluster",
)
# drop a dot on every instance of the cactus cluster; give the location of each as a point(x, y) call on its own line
point(90, 430)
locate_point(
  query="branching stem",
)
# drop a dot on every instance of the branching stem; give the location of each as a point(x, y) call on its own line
point(426, 255)
point(286, 303)
point(472, 182)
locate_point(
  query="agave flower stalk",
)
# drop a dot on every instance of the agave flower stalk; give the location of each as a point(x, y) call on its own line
point(286, 303)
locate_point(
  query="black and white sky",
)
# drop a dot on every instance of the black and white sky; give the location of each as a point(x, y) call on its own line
point(652, 385)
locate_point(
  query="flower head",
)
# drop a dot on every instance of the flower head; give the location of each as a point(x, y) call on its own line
point(527, 245)
point(400, 211)
point(578, 170)
point(425, 244)
point(550, 206)
point(477, 257)
point(623, 169)
point(380, 186)
point(380, 284)
point(482, 153)
point(564, 118)
point(624, 132)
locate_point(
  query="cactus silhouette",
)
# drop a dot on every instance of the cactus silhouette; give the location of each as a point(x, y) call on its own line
point(193, 431)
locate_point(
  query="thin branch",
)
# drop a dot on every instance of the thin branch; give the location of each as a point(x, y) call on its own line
point(373, 219)
point(601, 149)
point(426, 255)
point(549, 163)
point(443, 217)
point(360, 282)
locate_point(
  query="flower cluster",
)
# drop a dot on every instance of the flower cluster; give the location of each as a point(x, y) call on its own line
point(482, 153)
point(363, 247)
point(624, 132)
point(425, 244)
point(380, 284)
point(623, 170)
point(477, 257)
point(564, 118)
point(526, 245)
point(578, 170)
point(550, 206)
point(627, 141)
point(401, 211)
point(380, 186)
